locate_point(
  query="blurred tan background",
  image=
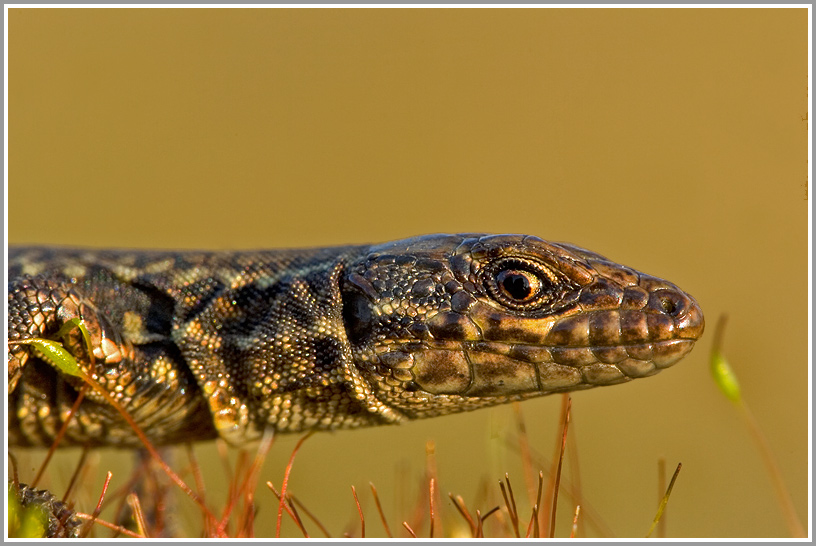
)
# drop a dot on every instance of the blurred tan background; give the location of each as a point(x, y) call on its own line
point(674, 141)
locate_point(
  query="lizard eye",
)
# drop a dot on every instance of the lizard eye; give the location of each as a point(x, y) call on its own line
point(517, 284)
point(520, 284)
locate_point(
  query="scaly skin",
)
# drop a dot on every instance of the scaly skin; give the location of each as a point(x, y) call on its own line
point(202, 344)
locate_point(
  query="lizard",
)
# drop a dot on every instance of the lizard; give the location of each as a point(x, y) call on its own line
point(197, 345)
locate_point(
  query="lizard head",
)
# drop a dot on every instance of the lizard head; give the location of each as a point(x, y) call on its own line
point(446, 323)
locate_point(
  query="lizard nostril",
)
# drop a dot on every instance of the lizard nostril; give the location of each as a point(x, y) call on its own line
point(672, 302)
point(668, 305)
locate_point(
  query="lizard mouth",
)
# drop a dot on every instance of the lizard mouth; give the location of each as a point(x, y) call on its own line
point(605, 347)
point(495, 369)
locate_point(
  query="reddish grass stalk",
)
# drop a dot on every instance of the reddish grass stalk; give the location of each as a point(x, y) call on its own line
point(524, 450)
point(359, 511)
point(380, 510)
point(246, 523)
point(201, 489)
point(546, 508)
point(286, 482)
point(294, 501)
point(232, 489)
point(590, 514)
point(459, 503)
point(118, 528)
point(247, 520)
point(536, 507)
point(432, 474)
point(513, 520)
point(533, 525)
point(576, 491)
point(558, 472)
point(510, 503)
point(431, 510)
point(138, 515)
point(481, 519)
point(195, 470)
point(419, 511)
point(298, 521)
point(139, 472)
point(60, 434)
point(246, 491)
point(92, 518)
point(490, 512)
point(408, 527)
point(289, 506)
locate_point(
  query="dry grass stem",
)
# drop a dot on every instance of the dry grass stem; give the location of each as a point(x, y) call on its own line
point(86, 527)
point(118, 528)
point(557, 485)
point(138, 515)
point(60, 435)
point(246, 491)
point(298, 521)
point(286, 481)
point(380, 510)
point(591, 515)
point(431, 511)
point(359, 511)
point(662, 507)
point(481, 519)
point(524, 449)
point(408, 528)
point(290, 509)
point(510, 503)
point(575, 470)
point(459, 503)
point(574, 532)
point(295, 501)
point(532, 526)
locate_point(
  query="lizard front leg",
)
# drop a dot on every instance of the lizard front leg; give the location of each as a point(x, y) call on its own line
point(146, 379)
point(39, 308)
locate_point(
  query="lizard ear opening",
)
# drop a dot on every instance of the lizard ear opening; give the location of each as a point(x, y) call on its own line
point(358, 316)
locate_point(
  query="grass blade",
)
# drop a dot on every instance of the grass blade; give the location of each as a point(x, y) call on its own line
point(661, 508)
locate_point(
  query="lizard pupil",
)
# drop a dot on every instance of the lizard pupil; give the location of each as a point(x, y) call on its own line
point(515, 284)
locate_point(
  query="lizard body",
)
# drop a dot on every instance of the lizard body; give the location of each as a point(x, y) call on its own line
point(197, 345)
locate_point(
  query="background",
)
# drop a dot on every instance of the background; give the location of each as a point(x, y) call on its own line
point(674, 141)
